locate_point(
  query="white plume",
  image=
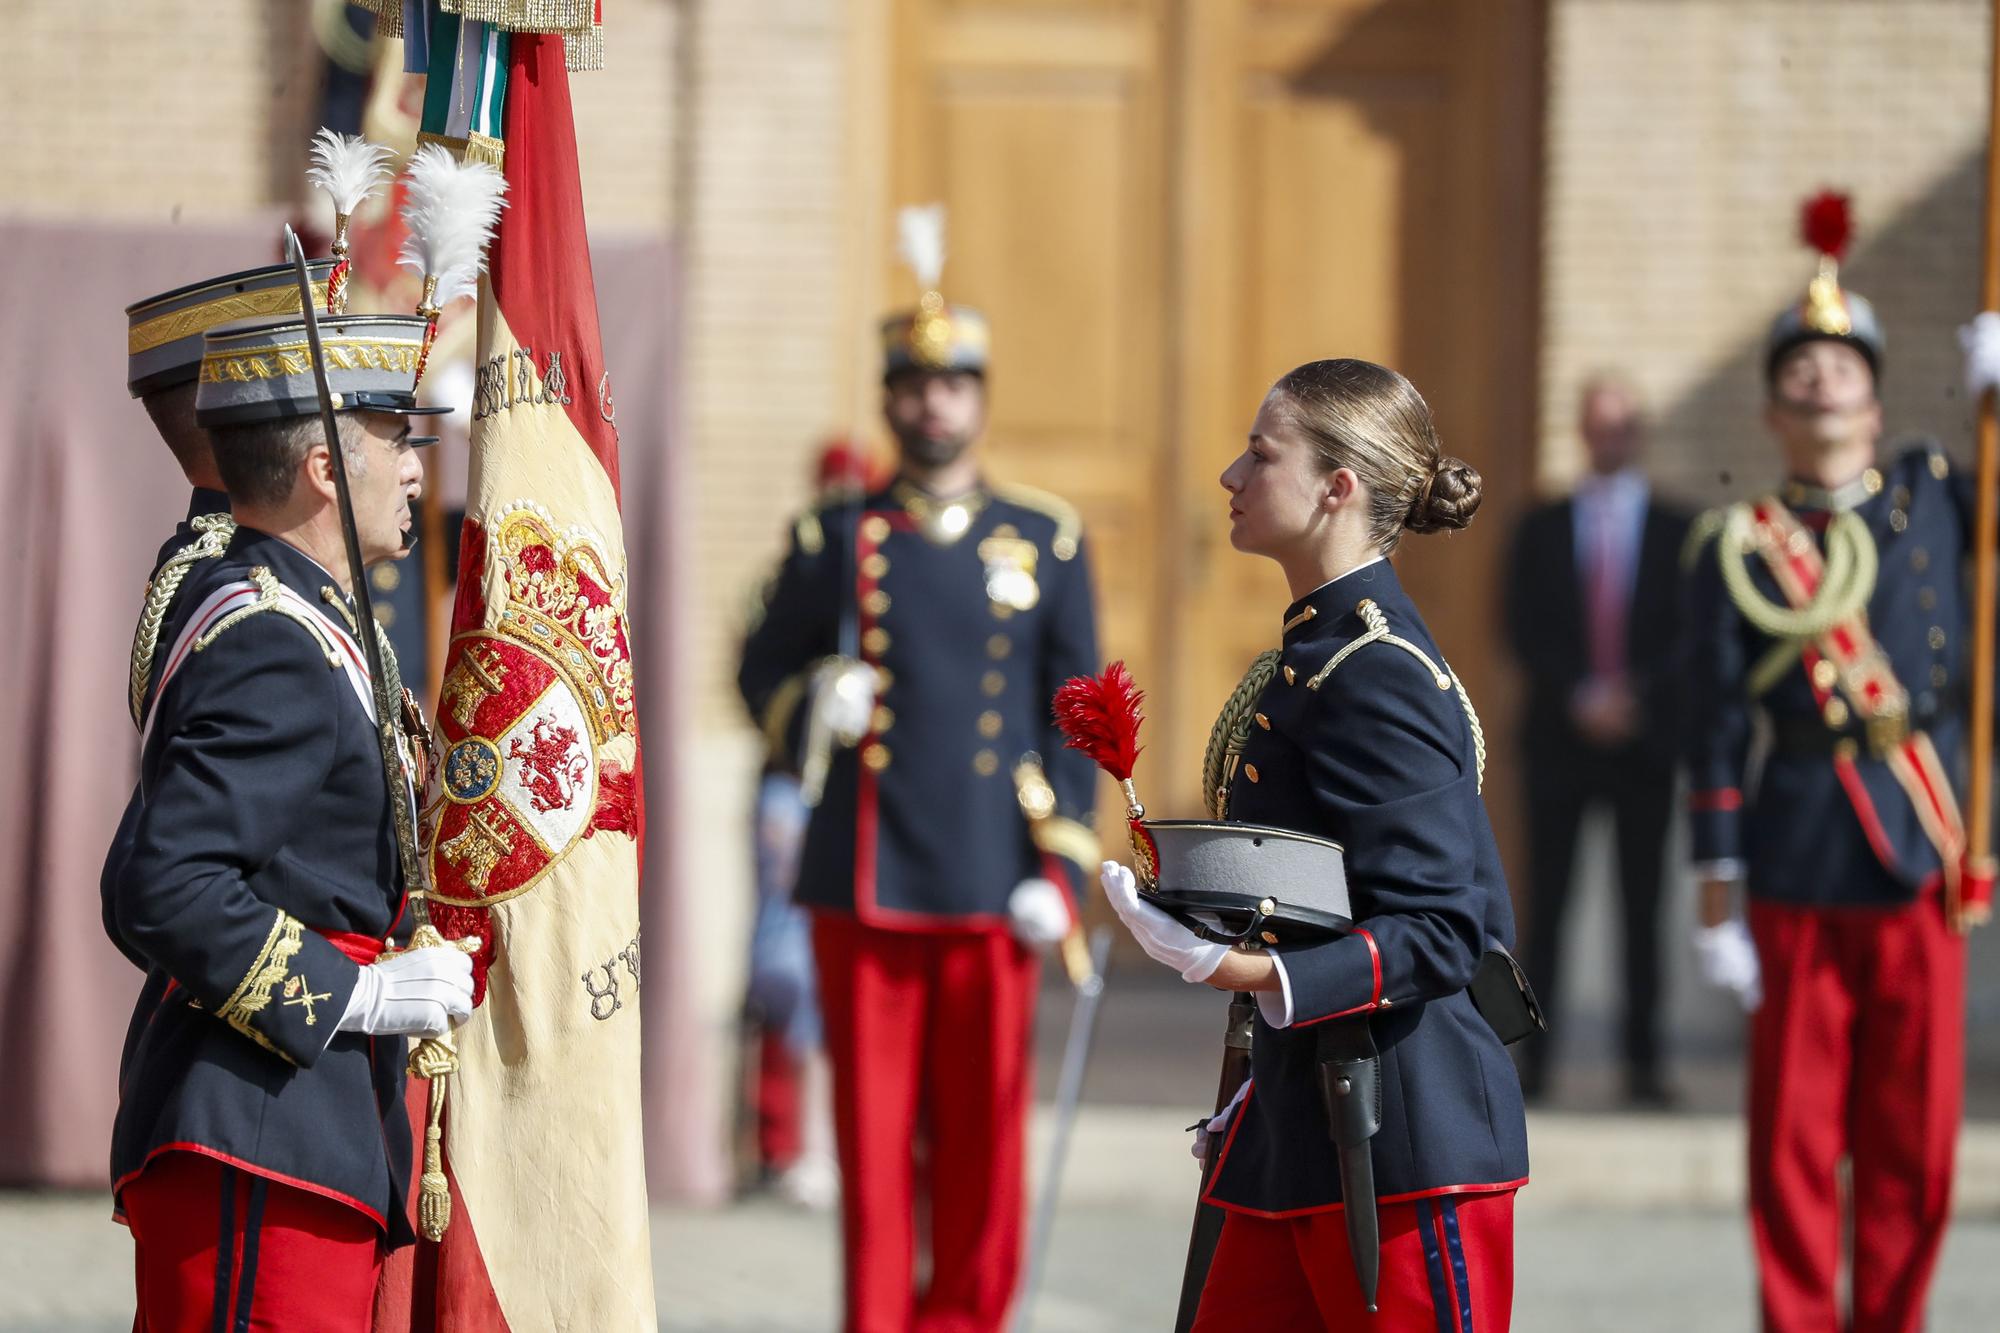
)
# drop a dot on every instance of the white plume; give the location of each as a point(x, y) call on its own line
point(348, 168)
point(920, 241)
point(451, 209)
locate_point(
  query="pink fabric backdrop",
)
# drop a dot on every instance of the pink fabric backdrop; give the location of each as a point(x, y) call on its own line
point(89, 495)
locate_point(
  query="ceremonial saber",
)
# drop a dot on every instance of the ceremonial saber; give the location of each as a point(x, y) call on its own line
point(434, 1058)
point(1965, 910)
point(1069, 1099)
point(1208, 1219)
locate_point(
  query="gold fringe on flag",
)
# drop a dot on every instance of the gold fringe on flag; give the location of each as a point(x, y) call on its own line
point(473, 148)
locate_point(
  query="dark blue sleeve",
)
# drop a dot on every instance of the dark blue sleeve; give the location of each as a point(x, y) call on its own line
point(247, 740)
point(1070, 650)
point(1716, 737)
point(799, 625)
point(1390, 765)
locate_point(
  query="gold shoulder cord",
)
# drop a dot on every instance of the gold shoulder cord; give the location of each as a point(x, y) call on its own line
point(1231, 732)
point(1379, 632)
point(270, 599)
point(1069, 527)
point(215, 531)
point(1852, 563)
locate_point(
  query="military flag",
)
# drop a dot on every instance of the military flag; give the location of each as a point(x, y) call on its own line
point(533, 821)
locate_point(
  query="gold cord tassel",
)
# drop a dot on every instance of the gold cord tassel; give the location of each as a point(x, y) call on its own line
point(436, 1060)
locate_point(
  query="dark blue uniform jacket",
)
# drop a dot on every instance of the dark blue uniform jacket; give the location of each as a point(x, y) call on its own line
point(262, 827)
point(920, 827)
point(1799, 834)
point(1381, 757)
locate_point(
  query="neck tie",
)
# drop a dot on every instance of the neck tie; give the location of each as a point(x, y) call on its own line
point(1606, 593)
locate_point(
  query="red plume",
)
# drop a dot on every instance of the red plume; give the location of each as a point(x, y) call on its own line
point(1101, 717)
point(1824, 223)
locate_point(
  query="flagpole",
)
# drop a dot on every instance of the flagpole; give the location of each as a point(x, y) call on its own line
point(1986, 528)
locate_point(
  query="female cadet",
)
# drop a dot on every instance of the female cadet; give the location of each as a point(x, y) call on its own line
point(1365, 737)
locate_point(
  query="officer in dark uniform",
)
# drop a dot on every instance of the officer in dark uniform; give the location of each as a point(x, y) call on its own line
point(260, 1151)
point(905, 664)
point(1833, 606)
point(1360, 733)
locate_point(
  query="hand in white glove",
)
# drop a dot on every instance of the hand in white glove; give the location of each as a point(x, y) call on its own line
point(1038, 911)
point(1726, 956)
point(1980, 341)
point(1216, 1123)
point(421, 993)
point(844, 697)
point(1163, 938)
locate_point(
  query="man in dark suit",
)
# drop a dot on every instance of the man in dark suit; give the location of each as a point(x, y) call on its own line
point(1592, 612)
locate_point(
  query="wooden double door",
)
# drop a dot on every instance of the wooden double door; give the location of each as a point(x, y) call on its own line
point(1165, 204)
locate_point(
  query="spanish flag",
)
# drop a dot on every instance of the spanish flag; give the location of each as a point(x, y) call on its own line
point(532, 824)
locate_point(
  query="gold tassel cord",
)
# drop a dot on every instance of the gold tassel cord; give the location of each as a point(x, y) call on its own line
point(1232, 731)
point(1852, 563)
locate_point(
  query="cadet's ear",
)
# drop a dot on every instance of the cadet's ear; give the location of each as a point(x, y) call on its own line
point(1341, 487)
point(317, 471)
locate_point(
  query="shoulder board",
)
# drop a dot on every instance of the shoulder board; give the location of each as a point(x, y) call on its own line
point(1069, 524)
point(1378, 631)
point(234, 603)
point(215, 532)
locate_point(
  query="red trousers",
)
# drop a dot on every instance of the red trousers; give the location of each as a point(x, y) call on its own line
point(928, 1036)
point(1447, 1267)
point(778, 1100)
point(1857, 1051)
point(221, 1250)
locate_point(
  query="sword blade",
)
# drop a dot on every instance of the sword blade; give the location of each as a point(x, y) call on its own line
point(1069, 1100)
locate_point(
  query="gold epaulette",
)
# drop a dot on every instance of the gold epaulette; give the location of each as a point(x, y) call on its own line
point(270, 598)
point(215, 531)
point(1069, 524)
point(1378, 631)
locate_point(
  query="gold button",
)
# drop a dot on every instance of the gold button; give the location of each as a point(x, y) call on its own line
point(989, 724)
point(1940, 677)
point(385, 578)
point(875, 757)
point(1927, 598)
point(884, 678)
point(876, 603)
point(1263, 722)
point(1825, 674)
point(1898, 520)
point(1835, 713)
point(1002, 611)
point(875, 642)
point(1290, 675)
point(998, 647)
point(1250, 771)
point(385, 614)
point(876, 565)
point(883, 719)
point(1937, 638)
point(1920, 560)
point(1871, 481)
point(1267, 906)
point(986, 763)
point(992, 683)
point(875, 528)
point(1940, 466)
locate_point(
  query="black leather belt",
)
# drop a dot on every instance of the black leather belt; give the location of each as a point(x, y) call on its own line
point(1808, 736)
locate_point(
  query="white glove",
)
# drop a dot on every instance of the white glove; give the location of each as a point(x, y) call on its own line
point(844, 697)
point(1726, 956)
point(1216, 1123)
point(1163, 938)
point(1038, 912)
point(1980, 341)
point(422, 993)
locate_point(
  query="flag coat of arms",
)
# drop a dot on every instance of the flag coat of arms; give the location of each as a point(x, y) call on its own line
point(533, 821)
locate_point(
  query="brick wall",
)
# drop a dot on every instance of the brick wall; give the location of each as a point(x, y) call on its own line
point(1682, 136)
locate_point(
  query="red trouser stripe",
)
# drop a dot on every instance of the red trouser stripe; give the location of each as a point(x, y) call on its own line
point(1858, 1050)
point(1447, 1267)
point(220, 1250)
point(928, 1035)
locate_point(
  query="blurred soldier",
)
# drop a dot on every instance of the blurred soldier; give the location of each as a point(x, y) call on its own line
point(786, 1078)
point(1593, 615)
point(905, 666)
point(1834, 607)
point(261, 1151)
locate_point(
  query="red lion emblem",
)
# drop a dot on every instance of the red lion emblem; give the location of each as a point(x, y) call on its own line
point(553, 765)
